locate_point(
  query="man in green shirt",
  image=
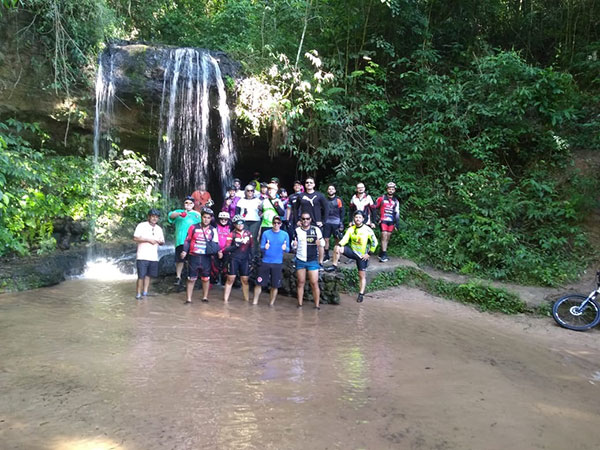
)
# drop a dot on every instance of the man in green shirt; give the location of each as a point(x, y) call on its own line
point(183, 220)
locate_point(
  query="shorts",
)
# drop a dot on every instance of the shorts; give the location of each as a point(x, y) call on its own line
point(146, 268)
point(270, 273)
point(199, 265)
point(361, 264)
point(239, 267)
point(178, 251)
point(387, 227)
point(308, 265)
point(330, 230)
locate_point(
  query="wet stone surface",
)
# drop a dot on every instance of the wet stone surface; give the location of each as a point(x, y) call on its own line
point(85, 365)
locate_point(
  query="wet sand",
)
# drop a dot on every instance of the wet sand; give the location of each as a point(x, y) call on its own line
point(83, 365)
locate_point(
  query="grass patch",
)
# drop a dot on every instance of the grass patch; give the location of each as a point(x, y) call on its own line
point(486, 298)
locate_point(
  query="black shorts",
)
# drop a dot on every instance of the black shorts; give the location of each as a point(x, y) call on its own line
point(270, 273)
point(178, 251)
point(329, 230)
point(199, 266)
point(361, 264)
point(239, 267)
point(146, 268)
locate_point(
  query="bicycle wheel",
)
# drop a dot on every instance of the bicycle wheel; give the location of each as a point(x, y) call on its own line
point(568, 313)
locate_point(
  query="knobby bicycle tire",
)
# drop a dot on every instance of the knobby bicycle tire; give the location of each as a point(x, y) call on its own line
point(567, 314)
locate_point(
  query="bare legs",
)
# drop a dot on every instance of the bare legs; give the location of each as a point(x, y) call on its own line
point(142, 285)
point(313, 279)
point(385, 239)
point(189, 289)
point(178, 269)
point(229, 285)
point(272, 295)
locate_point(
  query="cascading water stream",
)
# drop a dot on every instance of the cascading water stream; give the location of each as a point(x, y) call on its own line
point(194, 132)
point(227, 156)
point(105, 93)
point(185, 156)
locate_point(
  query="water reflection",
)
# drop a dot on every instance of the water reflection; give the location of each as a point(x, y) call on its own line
point(353, 376)
point(85, 359)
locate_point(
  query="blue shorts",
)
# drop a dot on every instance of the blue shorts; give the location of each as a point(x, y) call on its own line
point(308, 265)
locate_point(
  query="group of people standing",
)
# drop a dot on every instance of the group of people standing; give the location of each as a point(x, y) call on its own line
point(259, 224)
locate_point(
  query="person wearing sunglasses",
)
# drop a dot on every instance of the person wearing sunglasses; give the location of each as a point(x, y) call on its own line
point(183, 220)
point(249, 208)
point(273, 242)
point(313, 203)
point(309, 245)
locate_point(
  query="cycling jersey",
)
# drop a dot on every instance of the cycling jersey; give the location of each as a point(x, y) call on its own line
point(309, 242)
point(388, 209)
point(239, 244)
point(362, 203)
point(336, 210)
point(223, 231)
point(198, 237)
point(362, 239)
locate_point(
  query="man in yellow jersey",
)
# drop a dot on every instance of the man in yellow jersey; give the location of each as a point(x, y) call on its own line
point(363, 243)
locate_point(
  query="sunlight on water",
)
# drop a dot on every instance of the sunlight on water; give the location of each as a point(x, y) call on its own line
point(105, 269)
point(87, 444)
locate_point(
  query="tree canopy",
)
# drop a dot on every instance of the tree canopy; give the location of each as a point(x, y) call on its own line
point(475, 108)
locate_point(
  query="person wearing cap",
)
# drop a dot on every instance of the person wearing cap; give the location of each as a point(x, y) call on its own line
point(239, 250)
point(201, 198)
point(148, 235)
point(273, 243)
point(183, 220)
point(219, 264)
point(230, 202)
point(271, 207)
point(387, 210)
point(201, 242)
point(362, 243)
point(275, 180)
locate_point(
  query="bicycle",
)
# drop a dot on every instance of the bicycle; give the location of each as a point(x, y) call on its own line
point(578, 312)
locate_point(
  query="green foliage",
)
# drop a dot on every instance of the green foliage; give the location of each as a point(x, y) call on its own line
point(36, 187)
point(482, 158)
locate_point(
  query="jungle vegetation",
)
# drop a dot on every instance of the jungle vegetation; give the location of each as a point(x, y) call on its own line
point(477, 109)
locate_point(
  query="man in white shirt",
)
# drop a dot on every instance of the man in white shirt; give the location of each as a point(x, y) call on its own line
point(148, 236)
point(249, 208)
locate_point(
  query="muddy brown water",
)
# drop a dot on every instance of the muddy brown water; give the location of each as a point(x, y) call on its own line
point(83, 365)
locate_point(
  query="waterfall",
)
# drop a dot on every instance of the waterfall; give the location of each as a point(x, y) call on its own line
point(184, 141)
point(226, 153)
point(105, 93)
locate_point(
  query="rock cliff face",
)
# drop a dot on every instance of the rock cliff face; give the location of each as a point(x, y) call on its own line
point(29, 90)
